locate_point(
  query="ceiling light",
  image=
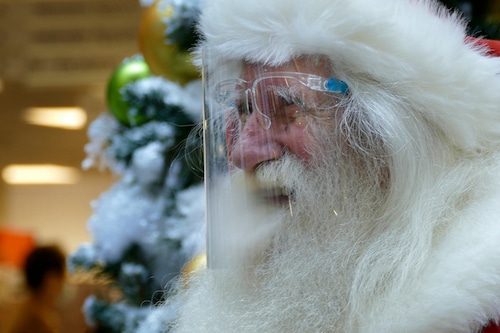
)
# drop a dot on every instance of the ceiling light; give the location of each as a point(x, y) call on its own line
point(40, 174)
point(61, 117)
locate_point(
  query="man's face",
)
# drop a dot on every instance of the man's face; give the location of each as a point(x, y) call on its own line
point(267, 127)
point(275, 115)
point(280, 126)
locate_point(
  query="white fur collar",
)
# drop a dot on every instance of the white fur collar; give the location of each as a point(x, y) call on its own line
point(459, 290)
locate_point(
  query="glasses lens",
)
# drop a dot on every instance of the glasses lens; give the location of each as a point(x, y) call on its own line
point(231, 95)
point(285, 99)
point(278, 99)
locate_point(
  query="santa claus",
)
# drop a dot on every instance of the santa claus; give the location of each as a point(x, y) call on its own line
point(353, 170)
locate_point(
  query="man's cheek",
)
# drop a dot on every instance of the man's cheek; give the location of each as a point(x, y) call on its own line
point(300, 143)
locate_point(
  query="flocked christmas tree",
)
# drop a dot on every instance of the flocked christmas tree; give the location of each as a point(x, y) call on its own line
point(150, 223)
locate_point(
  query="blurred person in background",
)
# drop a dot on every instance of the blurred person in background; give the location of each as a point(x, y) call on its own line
point(45, 275)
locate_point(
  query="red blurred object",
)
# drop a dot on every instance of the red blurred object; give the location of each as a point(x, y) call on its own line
point(15, 246)
point(493, 45)
point(492, 328)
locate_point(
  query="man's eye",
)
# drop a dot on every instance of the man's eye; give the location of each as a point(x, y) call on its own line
point(288, 100)
point(290, 105)
point(288, 96)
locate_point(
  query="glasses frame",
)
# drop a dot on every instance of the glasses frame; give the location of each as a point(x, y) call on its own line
point(311, 81)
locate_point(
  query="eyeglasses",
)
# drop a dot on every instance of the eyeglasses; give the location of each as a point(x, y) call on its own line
point(279, 96)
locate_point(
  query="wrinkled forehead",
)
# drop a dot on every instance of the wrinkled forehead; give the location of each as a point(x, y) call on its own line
point(312, 64)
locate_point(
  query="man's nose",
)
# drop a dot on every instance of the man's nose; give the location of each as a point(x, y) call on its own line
point(255, 145)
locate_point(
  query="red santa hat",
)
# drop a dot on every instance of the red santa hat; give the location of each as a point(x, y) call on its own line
point(493, 45)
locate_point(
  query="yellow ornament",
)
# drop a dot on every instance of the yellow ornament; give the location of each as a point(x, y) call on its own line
point(163, 59)
point(197, 263)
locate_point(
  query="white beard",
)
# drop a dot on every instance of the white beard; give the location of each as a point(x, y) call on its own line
point(282, 269)
point(349, 255)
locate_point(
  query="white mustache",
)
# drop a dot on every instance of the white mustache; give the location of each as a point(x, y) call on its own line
point(276, 177)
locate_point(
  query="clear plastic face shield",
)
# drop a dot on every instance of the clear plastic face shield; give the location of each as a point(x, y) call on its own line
point(253, 114)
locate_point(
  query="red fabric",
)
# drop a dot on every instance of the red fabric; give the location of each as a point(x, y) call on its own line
point(492, 328)
point(493, 45)
point(15, 246)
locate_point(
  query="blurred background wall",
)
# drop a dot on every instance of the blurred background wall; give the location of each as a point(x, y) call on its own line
point(56, 53)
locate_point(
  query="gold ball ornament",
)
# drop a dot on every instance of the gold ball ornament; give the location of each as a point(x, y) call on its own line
point(165, 60)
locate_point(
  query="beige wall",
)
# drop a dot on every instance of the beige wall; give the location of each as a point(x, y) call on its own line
point(55, 213)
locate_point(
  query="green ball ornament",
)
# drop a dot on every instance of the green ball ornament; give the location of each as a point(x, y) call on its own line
point(128, 71)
